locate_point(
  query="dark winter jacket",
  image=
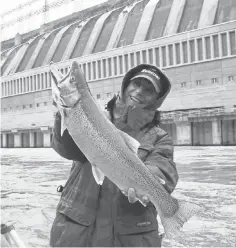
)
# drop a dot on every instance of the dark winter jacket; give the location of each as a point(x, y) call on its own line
point(93, 215)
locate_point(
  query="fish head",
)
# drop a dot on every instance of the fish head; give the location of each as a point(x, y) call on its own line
point(67, 90)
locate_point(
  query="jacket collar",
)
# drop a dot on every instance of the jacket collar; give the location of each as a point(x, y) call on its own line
point(131, 118)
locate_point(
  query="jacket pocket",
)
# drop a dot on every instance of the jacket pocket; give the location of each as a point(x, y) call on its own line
point(66, 232)
point(131, 224)
point(79, 198)
point(138, 231)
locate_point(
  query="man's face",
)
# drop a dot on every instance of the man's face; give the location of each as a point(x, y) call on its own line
point(140, 92)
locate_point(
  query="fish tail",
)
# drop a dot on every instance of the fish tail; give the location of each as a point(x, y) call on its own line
point(173, 224)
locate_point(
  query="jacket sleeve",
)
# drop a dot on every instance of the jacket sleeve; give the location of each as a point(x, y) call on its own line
point(160, 160)
point(64, 145)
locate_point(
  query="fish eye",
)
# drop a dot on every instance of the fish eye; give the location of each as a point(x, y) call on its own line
point(72, 78)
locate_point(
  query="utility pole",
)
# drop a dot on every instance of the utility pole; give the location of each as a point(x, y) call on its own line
point(45, 12)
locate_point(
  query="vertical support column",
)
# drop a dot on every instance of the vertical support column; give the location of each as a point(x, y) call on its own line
point(220, 45)
point(160, 57)
point(167, 56)
point(46, 139)
point(135, 59)
point(31, 139)
point(174, 54)
point(96, 69)
point(87, 72)
point(118, 65)
point(48, 80)
point(154, 56)
point(42, 81)
point(30, 89)
point(212, 46)
point(196, 51)
point(216, 132)
point(102, 69)
point(141, 57)
point(183, 130)
point(181, 53)
point(204, 48)
point(123, 64)
point(4, 140)
point(17, 138)
point(35, 83)
point(107, 67)
point(3, 89)
point(92, 71)
point(23, 84)
point(10, 87)
point(189, 52)
point(228, 44)
point(112, 67)
point(129, 61)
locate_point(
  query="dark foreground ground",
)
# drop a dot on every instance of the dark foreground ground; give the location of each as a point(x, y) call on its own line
point(29, 178)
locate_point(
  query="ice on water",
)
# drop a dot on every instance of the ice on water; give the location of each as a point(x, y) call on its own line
point(29, 178)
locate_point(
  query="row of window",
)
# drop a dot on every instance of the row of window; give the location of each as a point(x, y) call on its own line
point(37, 82)
point(25, 107)
point(213, 81)
point(99, 96)
point(179, 53)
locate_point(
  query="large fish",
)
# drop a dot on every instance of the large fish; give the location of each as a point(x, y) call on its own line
point(111, 152)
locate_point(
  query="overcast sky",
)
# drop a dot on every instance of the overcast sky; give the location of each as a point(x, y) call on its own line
point(37, 20)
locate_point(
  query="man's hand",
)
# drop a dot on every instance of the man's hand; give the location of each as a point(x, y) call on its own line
point(133, 198)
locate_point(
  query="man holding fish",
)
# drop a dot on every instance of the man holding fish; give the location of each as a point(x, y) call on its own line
point(94, 209)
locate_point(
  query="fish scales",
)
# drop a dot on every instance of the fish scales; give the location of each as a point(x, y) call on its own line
point(110, 150)
point(93, 131)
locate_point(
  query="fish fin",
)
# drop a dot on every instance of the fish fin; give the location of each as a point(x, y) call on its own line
point(173, 224)
point(132, 143)
point(98, 175)
point(161, 181)
point(63, 122)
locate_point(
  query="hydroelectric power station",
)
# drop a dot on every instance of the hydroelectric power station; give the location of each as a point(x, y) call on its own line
point(194, 42)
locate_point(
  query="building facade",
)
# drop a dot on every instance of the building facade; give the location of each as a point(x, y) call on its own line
point(194, 42)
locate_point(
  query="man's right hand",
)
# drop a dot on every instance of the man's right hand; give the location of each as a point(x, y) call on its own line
point(132, 197)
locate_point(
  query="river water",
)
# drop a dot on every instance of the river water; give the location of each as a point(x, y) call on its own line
point(29, 178)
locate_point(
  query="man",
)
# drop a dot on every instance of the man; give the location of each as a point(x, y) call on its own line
point(92, 215)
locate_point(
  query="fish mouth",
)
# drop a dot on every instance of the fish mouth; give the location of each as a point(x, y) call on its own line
point(135, 99)
point(68, 92)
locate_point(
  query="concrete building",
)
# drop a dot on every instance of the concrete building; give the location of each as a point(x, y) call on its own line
point(194, 42)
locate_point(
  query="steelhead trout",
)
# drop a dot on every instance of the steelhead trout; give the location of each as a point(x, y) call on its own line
point(111, 152)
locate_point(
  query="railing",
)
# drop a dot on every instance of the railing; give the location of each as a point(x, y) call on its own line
point(196, 46)
point(184, 115)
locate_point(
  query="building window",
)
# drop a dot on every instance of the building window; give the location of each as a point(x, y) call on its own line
point(45, 103)
point(109, 94)
point(5, 110)
point(37, 105)
point(31, 106)
point(23, 106)
point(214, 81)
point(98, 96)
point(183, 84)
point(231, 78)
point(198, 82)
